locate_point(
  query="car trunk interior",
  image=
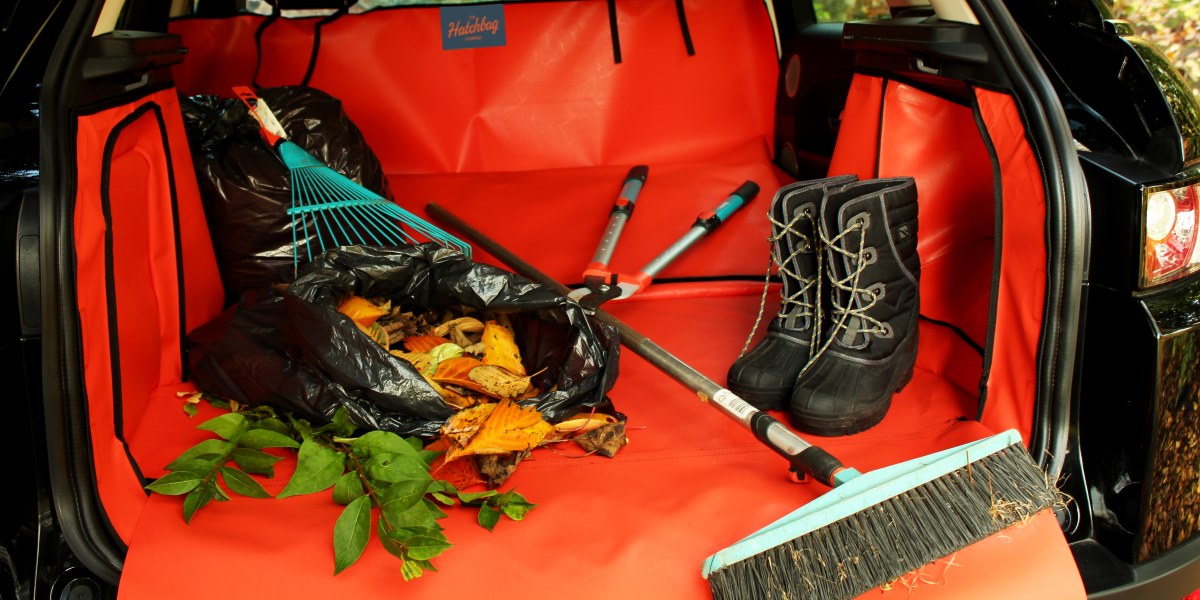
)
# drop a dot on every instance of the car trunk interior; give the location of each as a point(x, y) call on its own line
point(529, 142)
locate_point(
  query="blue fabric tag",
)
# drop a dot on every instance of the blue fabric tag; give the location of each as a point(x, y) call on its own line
point(472, 26)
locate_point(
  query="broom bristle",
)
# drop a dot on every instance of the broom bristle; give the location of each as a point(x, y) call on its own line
point(883, 542)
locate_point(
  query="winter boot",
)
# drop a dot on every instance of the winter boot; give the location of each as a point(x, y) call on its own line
point(764, 376)
point(869, 230)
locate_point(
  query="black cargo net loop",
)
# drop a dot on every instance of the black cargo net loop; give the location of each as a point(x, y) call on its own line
point(258, 36)
point(612, 27)
point(342, 9)
point(616, 36)
point(683, 28)
point(316, 46)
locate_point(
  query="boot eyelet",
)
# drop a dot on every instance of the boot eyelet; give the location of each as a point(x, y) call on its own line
point(868, 256)
point(885, 330)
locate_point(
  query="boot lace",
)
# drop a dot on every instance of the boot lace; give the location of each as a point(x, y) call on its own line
point(859, 299)
point(855, 306)
point(793, 304)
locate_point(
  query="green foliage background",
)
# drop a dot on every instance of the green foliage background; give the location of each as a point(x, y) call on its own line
point(1173, 26)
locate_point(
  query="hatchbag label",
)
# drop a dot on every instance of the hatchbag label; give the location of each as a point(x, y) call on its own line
point(472, 26)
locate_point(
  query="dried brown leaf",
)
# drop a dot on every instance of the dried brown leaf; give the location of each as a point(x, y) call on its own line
point(605, 440)
point(498, 381)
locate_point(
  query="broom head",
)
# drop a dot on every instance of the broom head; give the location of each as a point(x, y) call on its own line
point(876, 527)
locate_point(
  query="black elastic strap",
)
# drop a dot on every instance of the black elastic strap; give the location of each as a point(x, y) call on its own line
point(683, 27)
point(258, 35)
point(316, 46)
point(612, 27)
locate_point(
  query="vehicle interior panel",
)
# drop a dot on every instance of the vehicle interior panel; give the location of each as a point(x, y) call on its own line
point(529, 142)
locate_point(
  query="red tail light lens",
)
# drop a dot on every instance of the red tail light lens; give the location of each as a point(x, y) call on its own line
point(1169, 232)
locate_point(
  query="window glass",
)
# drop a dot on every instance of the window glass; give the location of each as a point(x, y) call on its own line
point(850, 10)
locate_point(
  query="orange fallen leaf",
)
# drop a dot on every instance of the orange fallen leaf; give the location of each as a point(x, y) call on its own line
point(423, 343)
point(466, 423)
point(462, 474)
point(509, 428)
point(500, 348)
point(456, 371)
point(362, 311)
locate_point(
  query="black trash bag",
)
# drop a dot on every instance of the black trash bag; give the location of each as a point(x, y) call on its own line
point(295, 351)
point(245, 188)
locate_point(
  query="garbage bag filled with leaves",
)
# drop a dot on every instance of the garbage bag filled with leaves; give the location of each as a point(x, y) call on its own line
point(321, 343)
point(245, 188)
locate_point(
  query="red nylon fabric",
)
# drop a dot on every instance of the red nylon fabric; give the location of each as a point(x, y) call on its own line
point(555, 218)
point(1012, 384)
point(551, 98)
point(145, 280)
point(556, 148)
point(637, 526)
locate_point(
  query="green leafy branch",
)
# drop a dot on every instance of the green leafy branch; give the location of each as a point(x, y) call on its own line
point(378, 476)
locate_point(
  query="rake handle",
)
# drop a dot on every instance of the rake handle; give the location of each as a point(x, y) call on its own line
point(803, 456)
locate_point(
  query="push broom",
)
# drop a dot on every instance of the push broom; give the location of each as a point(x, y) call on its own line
point(332, 210)
point(869, 529)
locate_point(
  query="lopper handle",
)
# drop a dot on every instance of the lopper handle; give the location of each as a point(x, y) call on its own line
point(711, 220)
point(621, 211)
point(705, 224)
point(803, 456)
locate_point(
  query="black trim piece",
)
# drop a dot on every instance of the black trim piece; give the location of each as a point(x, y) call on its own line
point(122, 100)
point(180, 280)
point(956, 330)
point(612, 27)
point(943, 92)
point(85, 524)
point(1068, 232)
point(110, 283)
point(883, 88)
point(684, 29)
point(998, 253)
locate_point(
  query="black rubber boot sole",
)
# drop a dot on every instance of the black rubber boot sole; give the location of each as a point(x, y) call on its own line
point(847, 424)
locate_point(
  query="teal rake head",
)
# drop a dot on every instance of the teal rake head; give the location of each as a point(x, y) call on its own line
point(330, 210)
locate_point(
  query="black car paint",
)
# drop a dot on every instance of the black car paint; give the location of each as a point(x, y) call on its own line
point(1104, 460)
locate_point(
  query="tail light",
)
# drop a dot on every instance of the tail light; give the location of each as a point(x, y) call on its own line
point(1169, 232)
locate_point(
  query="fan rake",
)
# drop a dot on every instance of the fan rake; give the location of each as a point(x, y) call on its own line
point(328, 209)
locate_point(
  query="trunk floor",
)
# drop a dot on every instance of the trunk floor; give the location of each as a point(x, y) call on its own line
point(639, 525)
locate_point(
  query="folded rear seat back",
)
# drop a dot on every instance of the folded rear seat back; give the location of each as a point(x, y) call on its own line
point(145, 276)
point(537, 134)
point(983, 276)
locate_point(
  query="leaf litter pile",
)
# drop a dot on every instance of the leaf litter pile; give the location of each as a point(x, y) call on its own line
point(473, 361)
point(388, 484)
